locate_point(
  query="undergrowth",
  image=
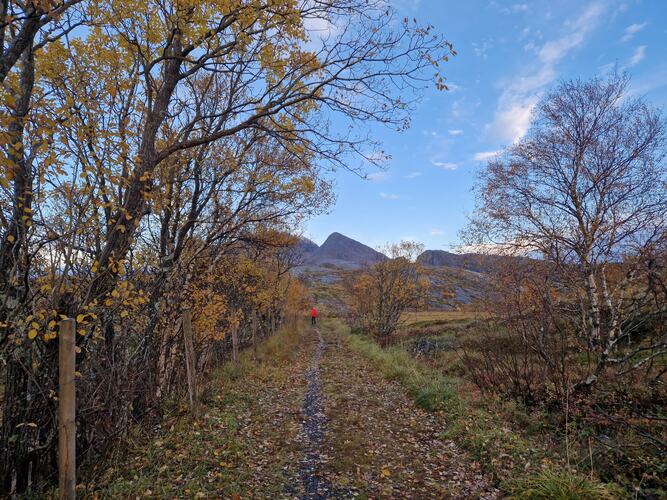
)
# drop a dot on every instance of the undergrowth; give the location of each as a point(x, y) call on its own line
point(560, 485)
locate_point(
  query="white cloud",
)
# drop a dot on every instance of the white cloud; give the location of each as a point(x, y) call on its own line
point(514, 8)
point(412, 175)
point(606, 68)
point(456, 109)
point(631, 30)
point(507, 249)
point(455, 132)
point(512, 120)
point(453, 87)
point(638, 56)
point(554, 50)
point(377, 176)
point(436, 232)
point(519, 97)
point(389, 196)
point(483, 49)
point(485, 155)
point(445, 165)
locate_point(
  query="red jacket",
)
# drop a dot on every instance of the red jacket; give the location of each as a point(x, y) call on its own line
point(313, 313)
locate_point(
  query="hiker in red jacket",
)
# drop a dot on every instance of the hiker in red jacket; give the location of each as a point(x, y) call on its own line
point(313, 316)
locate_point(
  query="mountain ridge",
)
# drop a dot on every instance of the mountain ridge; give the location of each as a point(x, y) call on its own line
point(340, 251)
point(347, 253)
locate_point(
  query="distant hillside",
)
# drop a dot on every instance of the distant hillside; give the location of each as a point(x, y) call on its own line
point(305, 247)
point(456, 280)
point(471, 262)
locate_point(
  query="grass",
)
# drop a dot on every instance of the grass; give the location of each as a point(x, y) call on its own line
point(516, 455)
point(430, 391)
point(429, 318)
point(560, 485)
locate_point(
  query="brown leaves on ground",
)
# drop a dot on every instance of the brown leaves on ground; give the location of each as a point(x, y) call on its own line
point(247, 442)
point(244, 445)
point(381, 444)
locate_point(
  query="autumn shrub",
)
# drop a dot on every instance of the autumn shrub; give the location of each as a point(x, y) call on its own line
point(528, 351)
point(379, 296)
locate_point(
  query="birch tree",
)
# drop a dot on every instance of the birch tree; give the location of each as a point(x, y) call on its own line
point(586, 190)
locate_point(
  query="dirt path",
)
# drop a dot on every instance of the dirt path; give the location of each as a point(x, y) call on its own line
point(308, 418)
point(312, 432)
point(381, 444)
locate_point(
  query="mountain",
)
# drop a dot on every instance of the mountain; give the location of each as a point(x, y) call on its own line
point(480, 263)
point(324, 269)
point(338, 251)
point(305, 246)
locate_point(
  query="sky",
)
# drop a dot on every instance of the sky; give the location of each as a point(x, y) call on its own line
point(509, 54)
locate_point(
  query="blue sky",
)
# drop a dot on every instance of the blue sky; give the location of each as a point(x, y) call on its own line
point(509, 53)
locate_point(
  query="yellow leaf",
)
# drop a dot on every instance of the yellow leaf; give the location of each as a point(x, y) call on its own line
point(32, 334)
point(80, 318)
point(10, 238)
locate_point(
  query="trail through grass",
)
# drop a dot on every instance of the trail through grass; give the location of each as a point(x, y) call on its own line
point(392, 427)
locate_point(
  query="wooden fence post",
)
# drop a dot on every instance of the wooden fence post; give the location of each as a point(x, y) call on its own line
point(66, 410)
point(254, 333)
point(190, 360)
point(235, 344)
